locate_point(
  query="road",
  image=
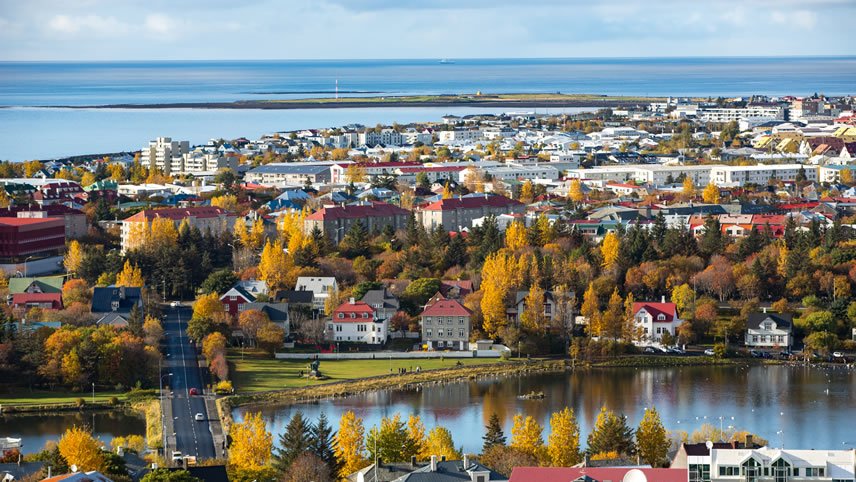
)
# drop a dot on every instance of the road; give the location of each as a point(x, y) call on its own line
point(191, 437)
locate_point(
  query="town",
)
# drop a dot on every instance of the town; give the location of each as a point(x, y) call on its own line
point(183, 282)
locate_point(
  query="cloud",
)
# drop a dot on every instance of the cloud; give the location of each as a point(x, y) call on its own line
point(161, 24)
point(804, 19)
point(74, 24)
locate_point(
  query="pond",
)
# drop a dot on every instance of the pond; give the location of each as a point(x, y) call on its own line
point(38, 428)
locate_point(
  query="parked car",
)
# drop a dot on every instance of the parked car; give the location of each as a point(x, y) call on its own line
point(174, 304)
point(837, 354)
point(709, 352)
point(650, 349)
point(677, 351)
point(785, 355)
point(756, 354)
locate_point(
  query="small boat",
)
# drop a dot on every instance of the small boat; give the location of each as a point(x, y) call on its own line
point(533, 395)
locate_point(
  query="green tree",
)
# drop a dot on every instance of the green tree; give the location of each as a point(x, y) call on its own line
point(651, 439)
point(494, 434)
point(391, 441)
point(321, 444)
point(167, 475)
point(355, 242)
point(822, 342)
point(296, 439)
point(611, 434)
point(219, 281)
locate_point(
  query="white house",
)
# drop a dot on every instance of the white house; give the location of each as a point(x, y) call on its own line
point(769, 330)
point(355, 322)
point(655, 319)
point(780, 465)
point(320, 286)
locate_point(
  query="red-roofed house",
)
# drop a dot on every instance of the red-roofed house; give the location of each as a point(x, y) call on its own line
point(446, 324)
point(596, 474)
point(337, 220)
point(455, 214)
point(655, 319)
point(45, 301)
point(355, 322)
point(204, 218)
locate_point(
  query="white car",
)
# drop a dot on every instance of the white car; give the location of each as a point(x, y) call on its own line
point(174, 304)
point(709, 352)
point(199, 417)
point(176, 456)
point(838, 354)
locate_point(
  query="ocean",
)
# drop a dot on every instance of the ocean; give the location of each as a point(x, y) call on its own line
point(29, 129)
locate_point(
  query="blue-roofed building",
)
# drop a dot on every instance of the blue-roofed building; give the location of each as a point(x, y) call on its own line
point(113, 304)
point(289, 173)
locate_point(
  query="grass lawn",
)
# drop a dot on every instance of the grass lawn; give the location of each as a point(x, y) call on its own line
point(24, 396)
point(256, 373)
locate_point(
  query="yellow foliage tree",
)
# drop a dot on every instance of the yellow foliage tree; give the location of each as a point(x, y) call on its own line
point(355, 173)
point(130, 276)
point(163, 232)
point(31, 167)
point(291, 223)
point(515, 236)
point(251, 443)
point(117, 172)
point(78, 447)
point(206, 306)
point(651, 439)
point(350, 444)
point(610, 249)
point(447, 191)
point(73, 257)
point(526, 435)
point(846, 176)
point(5, 200)
point(682, 297)
point(575, 191)
point(275, 266)
point(591, 310)
point(710, 194)
point(532, 319)
point(416, 432)
point(229, 202)
point(498, 276)
point(527, 192)
point(689, 187)
point(439, 442)
point(563, 444)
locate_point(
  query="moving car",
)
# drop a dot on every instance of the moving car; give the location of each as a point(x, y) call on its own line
point(174, 304)
point(194, 391)
point(199, 417)
point(176, 456)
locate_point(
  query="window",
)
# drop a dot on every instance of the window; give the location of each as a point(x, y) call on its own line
point(353, 315)
point(547, 308)
point(365, 315)
point(428, 320)
point(440, 333)
point(428, 333)
point(361, 327)
point(811, 472)
point(661, 317)
point(751, 470)
point(330, 327)
point(233, 298)
point(728, 470)
point(699, 473)
point(755, 338)
point(341, 315)
point(338, 327)
point(461, 320)
point(781, 470)
point(460, 332)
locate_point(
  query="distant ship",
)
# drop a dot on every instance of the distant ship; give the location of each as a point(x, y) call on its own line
point(446, 61)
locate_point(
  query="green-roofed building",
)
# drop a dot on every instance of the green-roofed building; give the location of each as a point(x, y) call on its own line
point(43, 284)
point(102, 185)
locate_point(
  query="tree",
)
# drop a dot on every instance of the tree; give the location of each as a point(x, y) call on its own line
point(163, 233)
point(682, 297)
point(651, 439)
point(251, 321)
point(710, 194)
point(390, 441)
point(206, 306)
point(167, 475)
point(611, 433)
point(130, 276)
point(251, 443)
point(270, 337)
point(322, 442)
point(152, 330)
point(75, 291)
point(78, 447)
point(610, 250)
point(350, 446)
point(527, 192)
point(590, 309)
point(355, 173)
point(296, 440)
point(229, 202)
point(416, 432)
point(275, 266)
point(73, 256)
point(504, 459)
point(308, 467)
point(439, 442)
point(421, 290)
point(689, 187)
point(526, 435)
point(219, 281)
point(494, 435)
point(532, 318)
point(575, 191)
point(822, 342)
point(563, 444)
point(515, 236)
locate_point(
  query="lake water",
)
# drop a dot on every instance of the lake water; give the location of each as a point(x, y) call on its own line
point(764, 400)
point(27, 133)
point(37, 429)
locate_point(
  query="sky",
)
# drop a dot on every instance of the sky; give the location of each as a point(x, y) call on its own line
point(378, 29)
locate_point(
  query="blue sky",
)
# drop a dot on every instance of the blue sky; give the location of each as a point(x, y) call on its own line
point(360, 29)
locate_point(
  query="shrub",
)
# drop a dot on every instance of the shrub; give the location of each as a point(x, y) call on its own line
point(720, 350)
point(114, 401)
point(223, 387)
point(80, 403)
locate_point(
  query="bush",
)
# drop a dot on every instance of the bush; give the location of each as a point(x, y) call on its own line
point(224, 387)
point(80, 403)
point(505, 355)
point(720, 350)
point(114, 401)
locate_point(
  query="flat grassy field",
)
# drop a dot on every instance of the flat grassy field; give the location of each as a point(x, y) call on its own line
point(256, 373)
point(23, 396)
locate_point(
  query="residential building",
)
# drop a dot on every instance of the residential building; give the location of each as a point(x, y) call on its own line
point(769, 330)
point(516, 311)
point(778, 465)
point(278, 174)
point(355, 322)
point(112, 305)
point(532, 172)
point(276, 313)
point(456, 289)
point(455, 214)
point(655, 319)
point(44, 292)
point(728, 114)
point(597, 474)
point(384, 303)
point(91, 476)
point(320, 286)
point(212, 219)
point(164, 152)
point(335, 221)
point(235, 300)
point(761, 174)
point(446, 324)
point(76, 225)
point(436, 469)
point(460, 135)
point(24, 238)
point(58, 191)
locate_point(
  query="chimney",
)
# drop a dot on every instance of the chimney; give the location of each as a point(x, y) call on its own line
point(466, 461)
point(433, 463)
point(412, 461)
point(749, 442)
point(352, 301)
point(442, 458)
point(121, 292)
point(764, 309)
point(663, 299)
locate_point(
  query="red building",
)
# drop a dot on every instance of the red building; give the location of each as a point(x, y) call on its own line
point(21, 238)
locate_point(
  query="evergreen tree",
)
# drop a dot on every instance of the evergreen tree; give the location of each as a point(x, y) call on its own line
point(494, 435)
point(296, 440)
point(456, 253)
point(321, 444)
point(611, 434)
point(712, 240)
point(356, 241)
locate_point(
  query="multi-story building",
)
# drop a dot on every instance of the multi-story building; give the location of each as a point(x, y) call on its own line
point(213, 219)
point(460, 135)
point(728, 114)
point(767, 464)
point(386, 137)
point(201, 162)
point(769, 330)
point(761, 174)
point(455, 214)
point(76, 225)
point(277, 174)
point(535, 171)
point(446, 324)
point(645, 173)
point(321, 287)
point(335, 221)
point(29, 237)
point(163, 152)
point(653, 320)
point(355, 321)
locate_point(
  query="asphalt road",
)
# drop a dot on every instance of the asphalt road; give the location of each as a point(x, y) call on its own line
point(192, 437)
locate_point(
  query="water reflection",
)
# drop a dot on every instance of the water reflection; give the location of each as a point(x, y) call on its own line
point(37, 429)
point(762, 399)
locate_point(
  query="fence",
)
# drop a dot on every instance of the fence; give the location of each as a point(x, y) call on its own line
point(390, 355)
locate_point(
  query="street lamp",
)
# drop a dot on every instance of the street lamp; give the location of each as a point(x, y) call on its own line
point(25, 264)
point(160, 397)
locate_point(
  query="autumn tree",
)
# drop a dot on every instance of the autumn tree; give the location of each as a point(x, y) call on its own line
point(390, 441)
point(251, 321)
point(416, 432)
point(526, 435)
point(130, 276)
point(152, 330)
point(610, 250)
point(682, 296)
point(78, 447)
point(206, 306)
point(611, 434)
point(575, 191)
point(350, 445)
point(651, 439)
point(563, 443)
point(710, 194)
point(527, 192)
point(439, 442)
point(515, 236)
point(229, 202)
point(590, 309)
point(688, 187)
point(533, 318)
point(75, 291)
point(252, 445)
point(275, 266)
point(163, 232)
point(73, 256)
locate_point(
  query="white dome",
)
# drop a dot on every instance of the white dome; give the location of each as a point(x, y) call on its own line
point(634, 475)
